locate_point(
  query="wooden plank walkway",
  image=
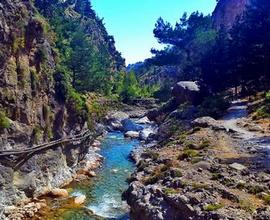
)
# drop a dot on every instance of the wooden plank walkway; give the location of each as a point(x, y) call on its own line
point(22, 155)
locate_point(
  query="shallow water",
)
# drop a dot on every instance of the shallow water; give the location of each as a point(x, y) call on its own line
point(105, 191)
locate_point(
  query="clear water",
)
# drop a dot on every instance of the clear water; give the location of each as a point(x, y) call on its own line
point(104, 194)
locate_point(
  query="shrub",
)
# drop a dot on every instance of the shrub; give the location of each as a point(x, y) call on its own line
point(37, 134)
point(212, 207)
point(141, 165)
point(255, 189)
point(213, 106)
point(4, 121)
point(170, 191)
point(200, 186)
point(188, 153)
point(266, 199)
point(156, 176)
point(205, 144)
point(216, 176)
point(247, 206)
point(150, 154)
point(264, 110)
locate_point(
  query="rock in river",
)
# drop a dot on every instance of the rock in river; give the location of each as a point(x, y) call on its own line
point(79, 200)
point(132, 134)
point(129, 125)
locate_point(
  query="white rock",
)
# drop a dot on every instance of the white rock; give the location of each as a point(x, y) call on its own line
point(132, 134)
point(143, 120)
point(80, 200)
point(237, 166)
point(145, 133)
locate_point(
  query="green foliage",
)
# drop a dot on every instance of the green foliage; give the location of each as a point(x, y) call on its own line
point(264, 110)
point(37, 134)
point(188, 154)
point(155, 177)
point(255, 189)
point(212, 207)
point(266, 199)
point(150, 154)
point(247, 206)
point(4, 121)
point(170, 191)
point(213, 106)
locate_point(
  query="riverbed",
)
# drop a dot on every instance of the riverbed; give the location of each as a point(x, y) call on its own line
point(104, 192)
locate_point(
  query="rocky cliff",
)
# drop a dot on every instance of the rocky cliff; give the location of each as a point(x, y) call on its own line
point(30, 110)
point(227, 11)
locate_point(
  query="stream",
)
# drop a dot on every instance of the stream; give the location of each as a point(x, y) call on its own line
point(104, 191)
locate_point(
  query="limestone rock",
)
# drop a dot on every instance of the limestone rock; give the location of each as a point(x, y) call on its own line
point(186, 91)
point(132, 134)
point(208, 122)
point(59, 192)
point(237, 166)
point(79, 200)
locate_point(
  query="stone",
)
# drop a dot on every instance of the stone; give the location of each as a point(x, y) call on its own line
point(132, 134)
point(144, 120)
point(208, 122)
point(129, 125)
point(117, 116)
point(79, 200)
point(237, 166)
point(186, 91)
point(145, 133)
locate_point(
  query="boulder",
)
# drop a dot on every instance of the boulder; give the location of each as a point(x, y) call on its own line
point(59, 192)
point(79, 200)
point(114, 119)
point(187, 91)
point(144, 120)
point(146, 133)
point(237, 166)
point(129, 125)
point(117, 116)
point(208, 122)
point(132, 134)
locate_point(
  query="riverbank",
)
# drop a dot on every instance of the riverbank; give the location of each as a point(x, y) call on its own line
point(210, 170)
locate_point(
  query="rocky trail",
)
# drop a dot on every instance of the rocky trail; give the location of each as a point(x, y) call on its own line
point(236, 116)
point(217, 169)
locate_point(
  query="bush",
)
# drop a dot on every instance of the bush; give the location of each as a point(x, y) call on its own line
point(188, 153)
point(213, 106)
point(150, 154)
point(247, 206)
point(216, 176)
point(255, 189)
point(37, 134)
point(4, 121)
point(170, 191)
point(266, 199)
point(212, 207)
point(264, 110)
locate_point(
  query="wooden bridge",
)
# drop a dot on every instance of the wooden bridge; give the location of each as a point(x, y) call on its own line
point(16, 158)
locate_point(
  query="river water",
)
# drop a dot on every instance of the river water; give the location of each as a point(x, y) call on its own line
point(104, 191)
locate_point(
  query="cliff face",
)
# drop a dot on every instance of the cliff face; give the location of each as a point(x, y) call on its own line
point(28, 99)
point(227, 11)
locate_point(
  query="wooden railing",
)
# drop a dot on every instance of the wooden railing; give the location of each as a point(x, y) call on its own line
point(18, 157)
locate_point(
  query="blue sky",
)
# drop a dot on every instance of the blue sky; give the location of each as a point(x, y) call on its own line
point(131, 22)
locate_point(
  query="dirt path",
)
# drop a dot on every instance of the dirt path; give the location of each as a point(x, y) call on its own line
point(237, 113)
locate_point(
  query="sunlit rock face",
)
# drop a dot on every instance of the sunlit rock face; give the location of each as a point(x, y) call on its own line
point(227, 11)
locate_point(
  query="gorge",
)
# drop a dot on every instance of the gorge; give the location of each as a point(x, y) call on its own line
point(181, 135)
